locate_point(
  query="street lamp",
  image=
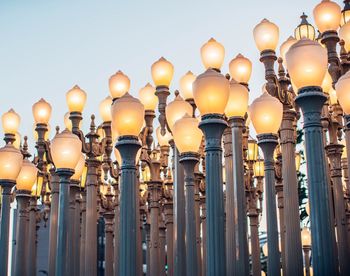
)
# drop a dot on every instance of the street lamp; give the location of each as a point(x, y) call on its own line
point(211, 93)
point(240, 69)
point(188, 138)
point(307, 65)
point(327, 15)
point(304, 29)
point(306, 242)
point(186, 89)
point(10, 124)
point(119, 84)
point(212, 54)
point(266, 114)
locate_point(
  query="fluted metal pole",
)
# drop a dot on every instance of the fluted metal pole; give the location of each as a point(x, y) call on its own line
point(116, 231)
point(108, 216)
point(281, 215)
point(198, 179)
point(161, 246)
point(82, 234)
point(213, 127)
point(31, 262)
point(311, 100)
point(73, 249)
point(204, 234)
point(148, 240)
point(169, 221)
point(268, 143)
point(254, 240)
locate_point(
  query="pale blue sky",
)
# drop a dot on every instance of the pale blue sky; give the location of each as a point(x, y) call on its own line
point(48, 46)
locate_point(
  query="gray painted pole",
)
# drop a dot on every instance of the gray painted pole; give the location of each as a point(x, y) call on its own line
point(22, 198)
point(281, 216)
point(189, 161)
point(128, 147)
point(293, 250)
point(72, 249)
point(82, 234)
point(213, 127)
point(53, 222)
point(91, 217)
point(169, 220)
point(63, 223)
point(230, 204)
point(241, 242)
point(204, 234)
point(31, 262)
point(77, 230)
point(254, 240)
point(268, 143)
point(198, 179)
point(311, 100)
point(162, 243)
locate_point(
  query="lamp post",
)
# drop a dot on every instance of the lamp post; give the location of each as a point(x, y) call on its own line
point(266, 114)
point(307, 65)
point(211, 93)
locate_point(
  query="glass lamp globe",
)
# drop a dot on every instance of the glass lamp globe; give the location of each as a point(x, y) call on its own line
point(342, 88)
point(240, 69)
point(10, 122)
point(212, 54)
point(78, 170)
point(128, 114)
point(148, 97)
point(237, 104)
point(176, 109)
point(252, 153)
point(344, 34)
point(266, 35)
point(10, 162)
point(345, 13)
point(285, 47)
point(163, 140)
point(162, 72)
point(327, 15)
point(211, 91)
point(119, 84)
point(27, 176)
point(327, 83)
point(187, 135)
point(37, 187)
point(304, 29)
point(41, 112)
point(297, 161)
point(266, 114)
point(307, 63)
point(305, 237)
point(259, 168)
point(66, 150)
point(105, 109)
point(186, 82)
point(76, 99)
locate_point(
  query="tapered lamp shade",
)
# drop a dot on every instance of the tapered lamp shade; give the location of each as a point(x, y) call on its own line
point(119, 84)
point(259, 168)
point(285, 47)
point(128, 115)
point(240, 68)
point(187, 135)
point(78, 170)
point(327, 83)
point(76, 99)
point(148, 98)
point(27, 176)
point(237, 104)
point(10, 162)
point(212, 54)
point(344, 34)
point(252, 153)
point(343, 92)
point(17, 142)
point(186, 82)
point(266, 113)
point(305, 237)
point(304, 29)
point(105, 109)
point(163, 140)
point(65, 150)
point(41, 112)
point(10, 122)
point(266, 35)
point(327, 15)
point(211, 91)
point(162, 72)
point(307, 63)
point(176, 109)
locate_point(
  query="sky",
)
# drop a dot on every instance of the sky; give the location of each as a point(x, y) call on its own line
point(49, 46)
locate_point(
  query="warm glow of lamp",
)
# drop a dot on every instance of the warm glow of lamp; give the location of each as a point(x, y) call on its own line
point(76, 99)
point(10, 162)
point(345, 14)
point(212, 54)
point(148, 97)
point(119, 84)
point(105, 109)
point(327, 15)
point(211, 92)
point(240, 69)
point(259, 168)
point(27, 176)
point(307, 208)
point(333, 100)
point(327, 83)
point(176, 109)
point(37, 187)
point(128, 115)
point(342, 87)
point(78, 171)
point(41, 112)
point(266, 35)
point(186, 82)
point(10, 122)
point(344, 34)
point(285, 47)
point(304, 29)
point(66, 150)
point(163, 140)
point(297, 161)
point(162, 72)
point(305, 237)
point(307, 63)
point(187, 135)
point(237, 104)
point(266, 114)
point(252, 153)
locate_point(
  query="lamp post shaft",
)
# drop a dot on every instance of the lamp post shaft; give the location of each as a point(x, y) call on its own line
point(32, 236)
point(204, 234)
point(169, 223)
point(162, 243)
point(213, 127)
point(255, 243)
point(77, 233)
point(347, 140)
point(74, 263)
point(306, 250)
point(82, 234)
point(109, 243)
point(116, 232)
point(311, 100)
point(198, 177)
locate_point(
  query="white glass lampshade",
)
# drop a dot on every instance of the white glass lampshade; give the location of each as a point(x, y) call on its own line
point(119, 84)
point(305, 237)
point(237, 104)
point(105, 109)
point(78, 171)
point(10, 122)
point(327, 83)
point(163, 140)
point(148, 97)
point(285, 47)
point(344, 34)
point(212, 54)
point(304, 29)
point(76, 99)
point(327, 15)
point(162, 72)
point(176, 109)
point(266, 35)
point(27, 176)
point(41, 112)
point(240, 68)
point(10, 162)
point(186, 82)
point(342, 87)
